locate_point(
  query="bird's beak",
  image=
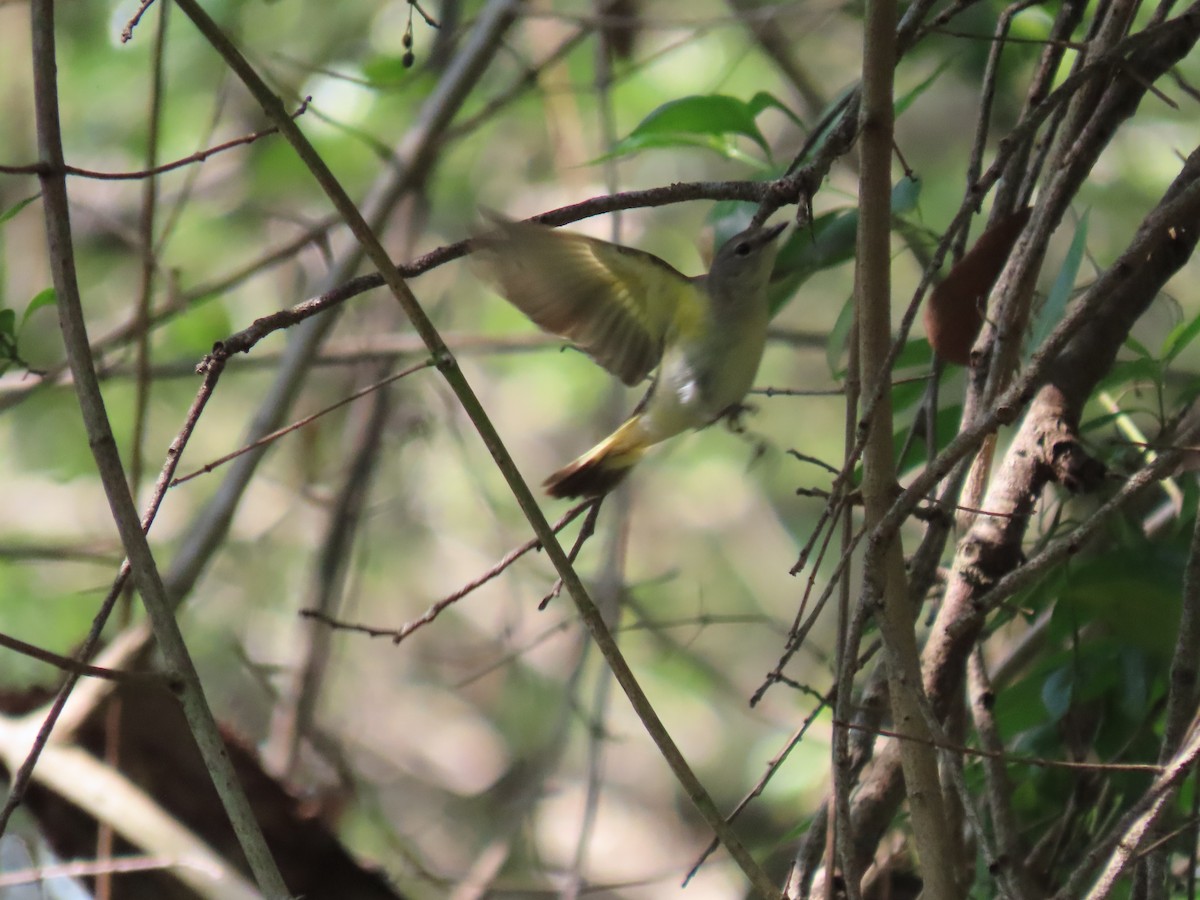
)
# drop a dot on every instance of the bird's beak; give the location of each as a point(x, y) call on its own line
point(773, 232)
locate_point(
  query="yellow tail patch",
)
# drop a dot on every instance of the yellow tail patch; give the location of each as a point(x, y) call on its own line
point(600, 469)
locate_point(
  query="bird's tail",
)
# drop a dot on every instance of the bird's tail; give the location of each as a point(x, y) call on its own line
point(601, 469)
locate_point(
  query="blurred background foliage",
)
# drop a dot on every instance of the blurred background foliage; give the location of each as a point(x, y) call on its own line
point(477, 731)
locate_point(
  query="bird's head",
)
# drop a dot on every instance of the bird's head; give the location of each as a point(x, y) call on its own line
point(743, 265)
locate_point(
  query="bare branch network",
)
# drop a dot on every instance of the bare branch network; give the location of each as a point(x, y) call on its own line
point(992, 631)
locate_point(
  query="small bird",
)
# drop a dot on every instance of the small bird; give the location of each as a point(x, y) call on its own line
point(631, 311)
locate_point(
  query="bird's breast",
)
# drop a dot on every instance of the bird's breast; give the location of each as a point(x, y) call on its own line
point(699, 380)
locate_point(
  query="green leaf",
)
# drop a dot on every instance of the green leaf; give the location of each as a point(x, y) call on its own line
point(829, 243)
point(945, 423)
point(44, 297)
point(8, 339)
point(1052, 310)
point(906, 100)
point(915, 354)
point(826, 119)
point(905, 195)
point(1057, 692)
point(722, 145)
point(1127, 372)
point(836, 345)
point(1179, 338)
point(686, 120)
point(1138, 347)
point(16, 208)
point(1131, 592)
point(1134, 683)
point(195, 332)
point(1101, 422)
point(763, 101)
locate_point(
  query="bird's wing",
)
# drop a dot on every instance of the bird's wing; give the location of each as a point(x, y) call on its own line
point(617, 304)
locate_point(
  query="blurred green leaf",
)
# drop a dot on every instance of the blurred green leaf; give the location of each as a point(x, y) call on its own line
point(1058, 691)
point(915, 354)
point(1131, 591)
point(8, 339)
point(387, 71)
point(722, 145)
point(45, 297)
point(835, 346)
point(1102, 421)
point(1052, 310)
point(16, 208)
point(1179, 338)
point(1127, 372)
point(194, 333)
point(828, 243)
point(764, 100)
point(1132, 343)
point(910, 97)
point(946, 424)
point(1134, 683)
point(905, 195)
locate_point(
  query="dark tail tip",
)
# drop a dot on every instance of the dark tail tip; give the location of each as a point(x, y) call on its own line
point(585, 478)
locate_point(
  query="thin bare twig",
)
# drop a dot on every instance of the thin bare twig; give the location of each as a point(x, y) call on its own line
point(300, 423)
point(435, 610)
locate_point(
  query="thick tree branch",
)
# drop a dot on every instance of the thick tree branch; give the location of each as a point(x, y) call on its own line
point(1043, 449)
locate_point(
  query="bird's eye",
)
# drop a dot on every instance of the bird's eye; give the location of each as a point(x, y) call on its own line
point(742, 249)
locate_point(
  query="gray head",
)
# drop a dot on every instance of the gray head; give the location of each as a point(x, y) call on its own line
point(743, 265)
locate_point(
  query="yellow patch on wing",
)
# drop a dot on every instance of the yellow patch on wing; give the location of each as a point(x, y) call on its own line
point(617, 304)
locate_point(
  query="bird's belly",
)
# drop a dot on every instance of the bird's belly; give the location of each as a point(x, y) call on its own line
point(690, 393)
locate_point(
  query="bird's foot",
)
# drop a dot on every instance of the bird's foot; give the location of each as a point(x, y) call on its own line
point(736, 425)
point(733, 417)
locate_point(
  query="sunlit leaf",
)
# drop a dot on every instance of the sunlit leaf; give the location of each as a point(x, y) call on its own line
point(703, 120)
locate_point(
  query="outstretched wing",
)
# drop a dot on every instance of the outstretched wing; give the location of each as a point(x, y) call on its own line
point(617, 304)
